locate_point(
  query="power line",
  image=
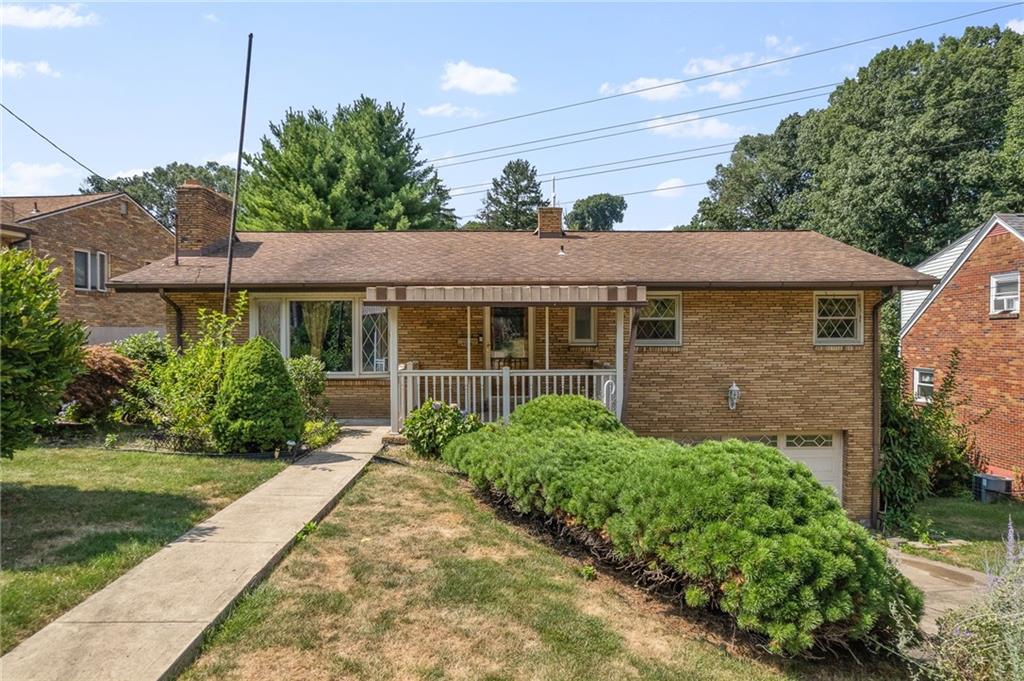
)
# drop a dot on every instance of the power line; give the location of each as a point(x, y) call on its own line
point(627, 132)
point(636, 122)
point(614, 163)
point(49, 141)
point(616, 170)
point(716, 74)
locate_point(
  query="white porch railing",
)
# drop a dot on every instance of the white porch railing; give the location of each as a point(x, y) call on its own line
point(493, 394)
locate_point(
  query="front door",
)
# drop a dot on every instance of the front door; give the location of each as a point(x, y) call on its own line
point(509, 338)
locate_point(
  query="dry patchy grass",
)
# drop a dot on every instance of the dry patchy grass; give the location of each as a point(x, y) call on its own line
point(411, 577)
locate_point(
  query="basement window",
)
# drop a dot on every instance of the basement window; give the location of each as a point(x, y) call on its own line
point(924, 384)
point(1004, 294)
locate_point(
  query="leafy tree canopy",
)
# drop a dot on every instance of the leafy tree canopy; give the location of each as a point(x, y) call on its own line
point(919, 148)
point(156, 189)
point(358, 168)
point(596, 213)
point(514, 198)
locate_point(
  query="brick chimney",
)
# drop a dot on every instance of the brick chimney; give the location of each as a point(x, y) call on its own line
point(549, 222)
point(203, 220)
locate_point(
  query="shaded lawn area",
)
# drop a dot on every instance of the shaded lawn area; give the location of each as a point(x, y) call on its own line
point(983, 526)
point(411, 577)
point(73, 519)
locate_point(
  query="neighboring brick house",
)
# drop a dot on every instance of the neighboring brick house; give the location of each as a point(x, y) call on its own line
point(657, 325)
point(976, 308)
point(92, 237)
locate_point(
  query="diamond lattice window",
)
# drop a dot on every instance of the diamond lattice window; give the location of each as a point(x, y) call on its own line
point(770, 440)
point(659, 321)
point(809, 440)
point(375, 339)
point(837, 319)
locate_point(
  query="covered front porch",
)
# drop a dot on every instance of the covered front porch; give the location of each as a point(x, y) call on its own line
point(516, 343)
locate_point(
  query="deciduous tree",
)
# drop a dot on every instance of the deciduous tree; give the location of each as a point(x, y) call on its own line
point(596, 213)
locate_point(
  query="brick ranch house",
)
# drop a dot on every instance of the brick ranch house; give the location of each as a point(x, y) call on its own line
point(657, 325)
point(976, 308)
point(92, 237)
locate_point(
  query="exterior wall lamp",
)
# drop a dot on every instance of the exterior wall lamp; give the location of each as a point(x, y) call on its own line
point(734, 395)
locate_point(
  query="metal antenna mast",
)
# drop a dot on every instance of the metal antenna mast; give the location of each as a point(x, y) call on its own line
point(238, 178)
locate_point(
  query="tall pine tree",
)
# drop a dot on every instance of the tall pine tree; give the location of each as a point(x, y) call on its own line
point(514, 198)
point(359, 168)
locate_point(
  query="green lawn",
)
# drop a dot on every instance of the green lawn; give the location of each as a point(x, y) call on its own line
point(411, 577)
point(73, 519)
point(983, 526)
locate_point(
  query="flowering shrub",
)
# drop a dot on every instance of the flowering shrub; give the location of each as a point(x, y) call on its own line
point(744, 528)
point(432, 426)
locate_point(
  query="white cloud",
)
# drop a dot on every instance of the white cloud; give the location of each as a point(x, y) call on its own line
point(54, 16)
point(693, 127)
point(670, 193)
point(725, 89)
point(449, 110)
point(781, 47)
point(478, 80)
point(663, 92)
point(211, 17)
point(19, 69)
point(700, 66)
point(33, 178)
point(1016, 25)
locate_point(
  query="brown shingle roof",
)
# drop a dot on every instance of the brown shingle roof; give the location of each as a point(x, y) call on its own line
point(23, 207)
point(353, 259)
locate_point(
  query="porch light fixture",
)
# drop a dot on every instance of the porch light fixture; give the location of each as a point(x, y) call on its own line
point(734, 396)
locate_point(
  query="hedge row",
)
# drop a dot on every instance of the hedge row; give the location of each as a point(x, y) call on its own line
point(746, 529)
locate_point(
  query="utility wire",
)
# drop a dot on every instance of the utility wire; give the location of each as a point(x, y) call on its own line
point(50, 141)
point(716, 74)
point(637, 122)
point(557, 173)
point(627, 132)
point(613, 163)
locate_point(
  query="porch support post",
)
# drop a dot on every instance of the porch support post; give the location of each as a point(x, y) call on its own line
point(469, 343)
point(393, 366)
point(619, 342)
point(547, 341)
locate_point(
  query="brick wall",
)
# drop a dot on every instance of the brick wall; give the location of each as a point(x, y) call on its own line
point(760, 339)
point(203, 219)
point(991, 348)
point(130, 241)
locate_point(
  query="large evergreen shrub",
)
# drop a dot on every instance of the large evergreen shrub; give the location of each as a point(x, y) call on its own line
point(745, 528)
point(257, 408)
point(39, 354)
point(561, 411)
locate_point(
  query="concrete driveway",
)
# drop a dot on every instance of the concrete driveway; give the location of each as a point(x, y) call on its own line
point(945, 586)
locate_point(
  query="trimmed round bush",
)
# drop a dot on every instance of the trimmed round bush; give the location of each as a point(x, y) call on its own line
point(746, 529)
point(257, 407)
point(433, 425)
point(565, 411)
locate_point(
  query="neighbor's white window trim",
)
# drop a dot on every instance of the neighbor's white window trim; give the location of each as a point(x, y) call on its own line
point(859, 339)
point(573, 340)
point(999, 279)
point(917, 382)
point(285, 315)
point(74, 269)
point(678, 340)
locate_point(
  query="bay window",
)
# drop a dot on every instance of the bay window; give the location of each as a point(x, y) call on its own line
point(348, 336)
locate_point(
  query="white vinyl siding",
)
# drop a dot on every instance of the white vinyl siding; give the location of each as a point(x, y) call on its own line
point(935, 266)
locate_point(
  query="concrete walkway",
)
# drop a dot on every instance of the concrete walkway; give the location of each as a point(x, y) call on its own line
point(945, 586)
point(150, 622)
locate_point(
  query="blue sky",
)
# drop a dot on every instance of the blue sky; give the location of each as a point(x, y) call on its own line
point(125, 87)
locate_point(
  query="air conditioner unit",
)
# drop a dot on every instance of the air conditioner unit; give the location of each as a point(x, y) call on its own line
point(991, 487)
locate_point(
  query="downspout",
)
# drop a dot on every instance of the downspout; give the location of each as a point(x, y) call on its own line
point(178, 322)
point(876, 399)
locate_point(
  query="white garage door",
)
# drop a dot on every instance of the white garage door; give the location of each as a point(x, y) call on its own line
point(821, 452)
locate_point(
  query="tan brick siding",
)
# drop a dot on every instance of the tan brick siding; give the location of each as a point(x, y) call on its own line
point(130, 241)
point(991, 352)
point(760, 339)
